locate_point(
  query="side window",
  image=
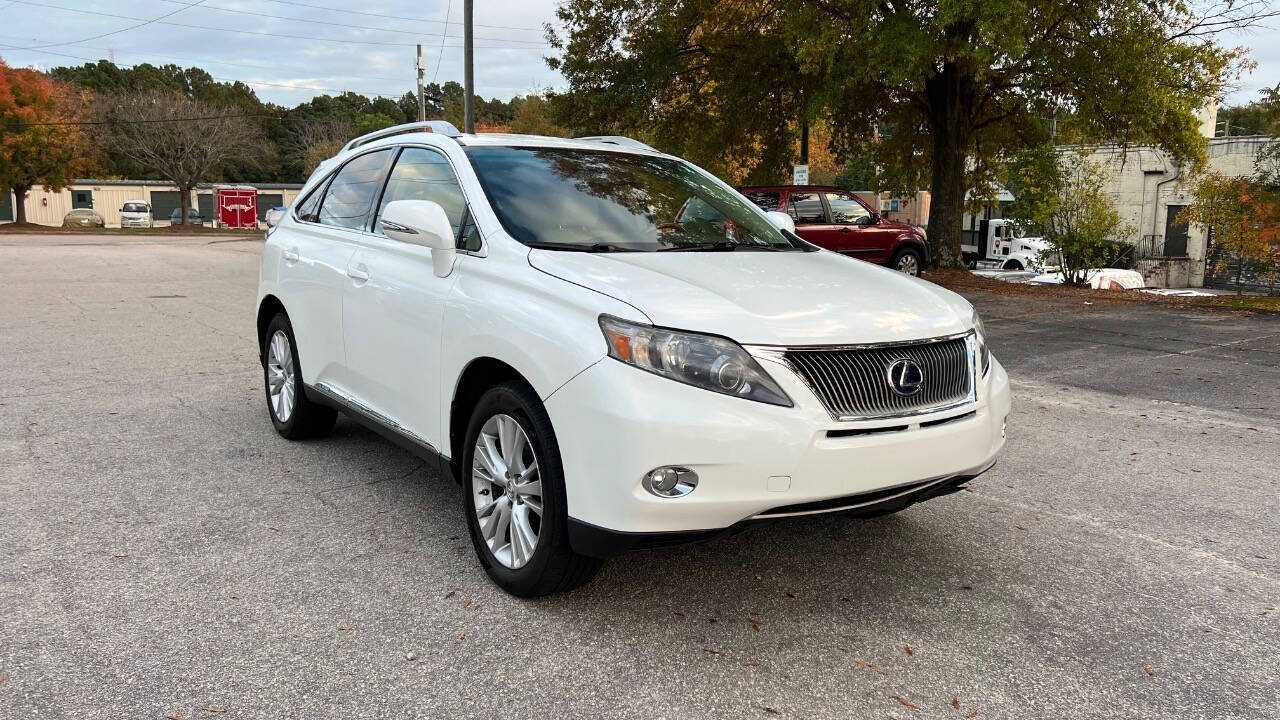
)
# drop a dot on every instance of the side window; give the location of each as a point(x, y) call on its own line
point(309, 209)
point(806, 208)
point(350, 196)
point(470, 239)
point(846, 210)
point(422, 174)
point(766, 201)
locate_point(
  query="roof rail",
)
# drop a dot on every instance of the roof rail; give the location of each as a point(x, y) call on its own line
point(619, 140)
point(436, 126)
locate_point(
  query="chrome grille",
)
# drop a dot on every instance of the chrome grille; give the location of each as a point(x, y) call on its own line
point(853, 383)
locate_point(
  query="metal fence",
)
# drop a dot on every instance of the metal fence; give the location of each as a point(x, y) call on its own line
point(1224, 269)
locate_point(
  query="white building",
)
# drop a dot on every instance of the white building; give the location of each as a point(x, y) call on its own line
point(108, 196)
point(1150, 189)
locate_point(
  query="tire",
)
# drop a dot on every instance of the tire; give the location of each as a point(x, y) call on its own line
point(1013, 265)
point(302, 418)
point(909, 261)
point(553, 567)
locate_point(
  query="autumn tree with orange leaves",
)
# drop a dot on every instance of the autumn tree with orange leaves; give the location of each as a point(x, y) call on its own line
point(36, 146)
point(1244, 216)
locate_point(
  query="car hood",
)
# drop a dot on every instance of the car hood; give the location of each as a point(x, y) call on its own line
point(767, 298)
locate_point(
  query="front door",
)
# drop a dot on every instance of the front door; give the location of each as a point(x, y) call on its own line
point(393, 308)
point(863, 238)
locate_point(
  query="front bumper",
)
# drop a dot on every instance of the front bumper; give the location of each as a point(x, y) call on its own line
point(614, 423)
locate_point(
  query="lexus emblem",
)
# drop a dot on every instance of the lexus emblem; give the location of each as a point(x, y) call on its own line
point(905, 377)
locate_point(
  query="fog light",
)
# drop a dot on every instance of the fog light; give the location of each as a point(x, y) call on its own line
point(670, 481)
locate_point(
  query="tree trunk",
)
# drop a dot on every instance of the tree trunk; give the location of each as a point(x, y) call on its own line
point(20, 203)
point(184, 201)
point(950, 96)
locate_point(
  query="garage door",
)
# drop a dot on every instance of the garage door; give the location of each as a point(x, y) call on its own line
point(266, 201)
point(164, 202)
point(6, 207)
point(204, 203)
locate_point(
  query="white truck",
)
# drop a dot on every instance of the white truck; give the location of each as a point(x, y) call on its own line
point(1002, 243)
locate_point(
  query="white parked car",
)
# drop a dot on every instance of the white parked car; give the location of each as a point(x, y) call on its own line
point(598, 373)
point(135, 213)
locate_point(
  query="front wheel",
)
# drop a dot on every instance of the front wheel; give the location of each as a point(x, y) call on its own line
point(514, 496)
point(909, 261)
point(1013, 265)
point(293, 415)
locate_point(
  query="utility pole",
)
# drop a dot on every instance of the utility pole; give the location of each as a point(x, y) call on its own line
point(422, 99)
point(468, 74)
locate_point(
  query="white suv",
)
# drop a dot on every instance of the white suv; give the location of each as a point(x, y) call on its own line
point(609, 348)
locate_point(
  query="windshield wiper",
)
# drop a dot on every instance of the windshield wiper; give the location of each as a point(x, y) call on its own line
point(718, 246)
point(594, 248)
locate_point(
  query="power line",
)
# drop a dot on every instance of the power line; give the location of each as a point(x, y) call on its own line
point(440, 55)
point(144, 23)
point(330, 23)
point(402, 17)
point(274, 36)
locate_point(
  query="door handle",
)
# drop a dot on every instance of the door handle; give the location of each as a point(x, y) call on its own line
point(845, 229)
point(359, 273)
point(291, 255)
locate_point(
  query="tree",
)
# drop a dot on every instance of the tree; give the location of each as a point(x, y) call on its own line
point(1243, 214)
point(533, 117)
point(935, 93)
point(37, 146)
point(182, 139)
point(1063, 195)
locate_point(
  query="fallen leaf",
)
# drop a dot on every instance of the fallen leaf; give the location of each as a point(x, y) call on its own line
point(450, 594)
point(462, 635)
point(122, 555)
point(709, 651)
point(870, 666)
point(769, 710)
point(906, 702)
point(955, 702)
point(755, 625)
point(791, 595)
point(273, 529)
point(677, 613)
point(1022, 528)
point(1147, 669)
point(344, 627)
point(972, 714)
point(466, 603)
point(174, 717)
point(215, 709)
point(751, 665)
point(908, 650)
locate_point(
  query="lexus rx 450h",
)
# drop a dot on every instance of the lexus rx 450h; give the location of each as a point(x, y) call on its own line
point(609, 348)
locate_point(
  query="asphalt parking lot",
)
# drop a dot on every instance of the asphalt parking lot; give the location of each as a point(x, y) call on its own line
point(164, 553)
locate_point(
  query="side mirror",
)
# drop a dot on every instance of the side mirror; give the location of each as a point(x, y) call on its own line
point(781, 220)
point(424, 223)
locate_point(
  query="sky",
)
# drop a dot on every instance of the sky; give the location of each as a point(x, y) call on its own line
point(291, 50)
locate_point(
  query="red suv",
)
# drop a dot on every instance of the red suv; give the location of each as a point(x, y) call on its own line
point(837, 220)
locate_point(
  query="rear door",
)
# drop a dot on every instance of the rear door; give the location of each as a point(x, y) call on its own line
point(315, 252)
point(393, 308)
point(810, 216)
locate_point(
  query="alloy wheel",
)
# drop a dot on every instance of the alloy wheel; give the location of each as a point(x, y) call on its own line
point(507, 489)
point(908, 264)
point(282, 384)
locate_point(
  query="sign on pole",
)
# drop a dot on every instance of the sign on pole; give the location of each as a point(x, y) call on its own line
point(800, 176)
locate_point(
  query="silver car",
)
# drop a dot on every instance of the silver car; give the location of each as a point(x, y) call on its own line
point(83, 217)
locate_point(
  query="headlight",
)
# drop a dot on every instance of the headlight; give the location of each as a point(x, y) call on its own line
point(980, 334)
point(704, 361)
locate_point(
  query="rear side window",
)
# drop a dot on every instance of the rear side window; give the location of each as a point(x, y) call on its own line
point(422, 174)
point(309, 208)
point(350, 196)
point(767, 201)
point(806, 208)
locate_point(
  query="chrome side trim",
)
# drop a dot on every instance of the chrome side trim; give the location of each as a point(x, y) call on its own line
point(369, 416)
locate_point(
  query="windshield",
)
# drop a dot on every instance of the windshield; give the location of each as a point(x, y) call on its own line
point(135, 208)
point(617, 202)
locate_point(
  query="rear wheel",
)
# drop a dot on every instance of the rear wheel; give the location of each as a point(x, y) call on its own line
point(909, 261)
point(514, 496)
point(294, 416)
point(1013, 265)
